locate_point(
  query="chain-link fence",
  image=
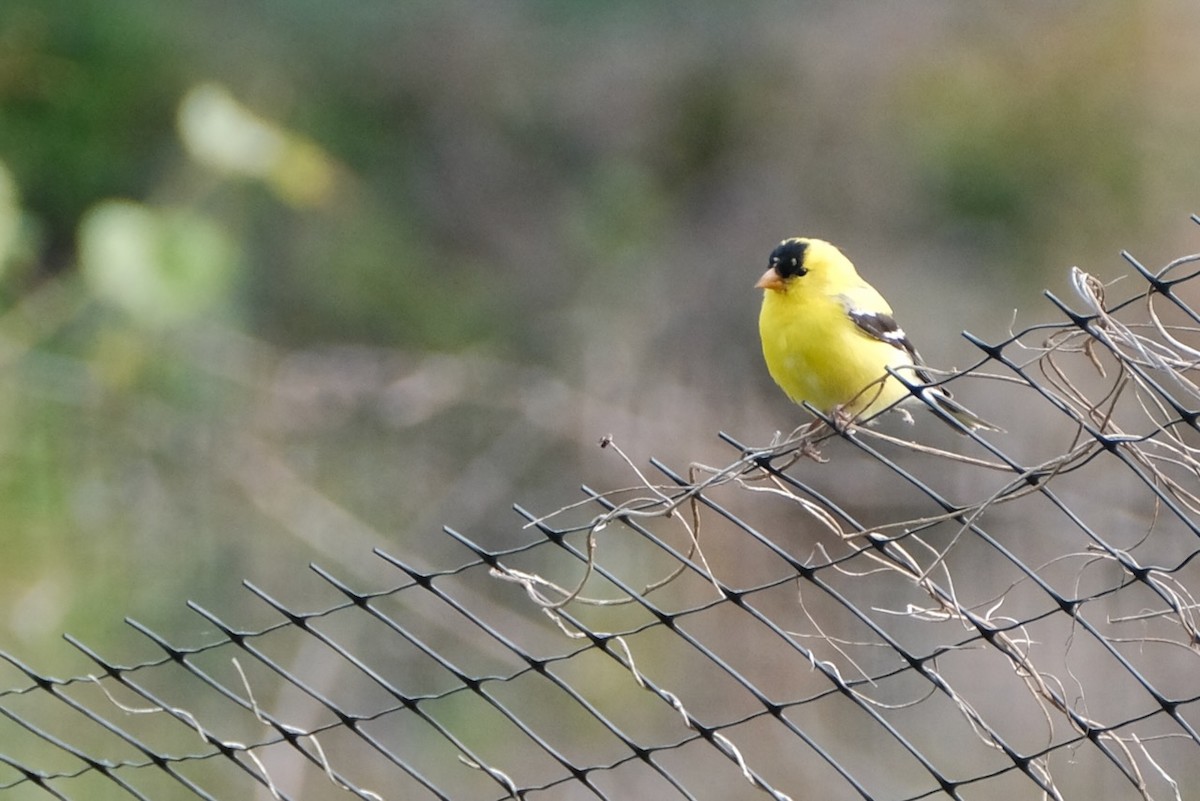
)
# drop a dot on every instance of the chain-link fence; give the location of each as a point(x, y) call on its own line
point(839, 614)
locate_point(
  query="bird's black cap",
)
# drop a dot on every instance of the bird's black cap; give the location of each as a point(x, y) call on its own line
point(788, 258)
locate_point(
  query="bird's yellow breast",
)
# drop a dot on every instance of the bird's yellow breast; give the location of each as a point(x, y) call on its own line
point(818, 355)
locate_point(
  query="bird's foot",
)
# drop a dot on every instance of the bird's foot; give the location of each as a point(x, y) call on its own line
point(809, 450)
point(842, 418)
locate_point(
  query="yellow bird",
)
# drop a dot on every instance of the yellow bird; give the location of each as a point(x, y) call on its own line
point(829, 338)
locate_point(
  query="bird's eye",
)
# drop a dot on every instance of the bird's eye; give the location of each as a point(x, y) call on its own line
point(788, 258)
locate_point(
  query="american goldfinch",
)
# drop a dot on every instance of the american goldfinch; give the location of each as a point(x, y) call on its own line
point(829, 338)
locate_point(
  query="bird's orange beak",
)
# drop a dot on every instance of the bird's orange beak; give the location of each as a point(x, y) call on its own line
point(771, 279)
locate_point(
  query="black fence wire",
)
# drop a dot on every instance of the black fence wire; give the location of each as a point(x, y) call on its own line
point(844, 613)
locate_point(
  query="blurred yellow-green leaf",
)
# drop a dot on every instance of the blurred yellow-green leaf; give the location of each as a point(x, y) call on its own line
point(161, 266)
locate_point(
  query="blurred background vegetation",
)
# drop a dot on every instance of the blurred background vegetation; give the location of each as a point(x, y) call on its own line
point(283, 281)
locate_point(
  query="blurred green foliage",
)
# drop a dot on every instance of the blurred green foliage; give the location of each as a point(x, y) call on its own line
point(87, 91)
point(1017, 139)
